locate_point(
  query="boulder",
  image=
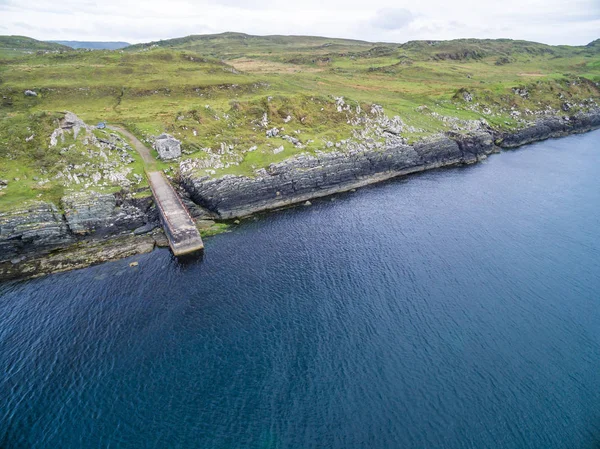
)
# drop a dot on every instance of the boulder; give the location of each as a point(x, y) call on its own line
point(272, 132)
point(168, 147)
point(74, 123)
point(148, 227)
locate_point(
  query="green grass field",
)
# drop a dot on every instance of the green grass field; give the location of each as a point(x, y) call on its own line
point(214, 93)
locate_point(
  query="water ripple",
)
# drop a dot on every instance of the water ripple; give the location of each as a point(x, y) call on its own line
point(455, 309)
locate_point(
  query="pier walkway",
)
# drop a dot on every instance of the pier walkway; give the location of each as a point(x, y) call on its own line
point(179, 226)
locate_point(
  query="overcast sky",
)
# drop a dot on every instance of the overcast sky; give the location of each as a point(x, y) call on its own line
point(551, 21)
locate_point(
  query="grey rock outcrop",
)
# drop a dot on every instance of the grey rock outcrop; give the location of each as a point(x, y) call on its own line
point(168, 147)
point(41, 227)
point(38, 227)
point(274, 132)
point(94, 213)
point(548, 127)
point(304, 177)
point(70, 123)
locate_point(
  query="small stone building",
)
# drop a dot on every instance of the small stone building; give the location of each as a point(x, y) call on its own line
point(168, 147)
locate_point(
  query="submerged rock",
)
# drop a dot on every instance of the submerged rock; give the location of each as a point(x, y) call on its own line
point(148, 227)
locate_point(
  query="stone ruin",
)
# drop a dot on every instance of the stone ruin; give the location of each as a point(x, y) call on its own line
point(168, 147)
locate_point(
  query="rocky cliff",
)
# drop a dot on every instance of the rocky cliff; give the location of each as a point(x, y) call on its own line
point(41, 228)
point(304, 177)
point(549, 127)
point(104, 214)
point(36, 228)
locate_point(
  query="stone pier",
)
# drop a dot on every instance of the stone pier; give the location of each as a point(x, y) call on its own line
point(179, 226)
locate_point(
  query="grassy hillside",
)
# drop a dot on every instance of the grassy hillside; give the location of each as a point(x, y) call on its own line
point(220, 94)
point(240, 44)
point(14, 46)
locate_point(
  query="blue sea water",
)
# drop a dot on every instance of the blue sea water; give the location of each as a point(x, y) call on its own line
point(453, 309)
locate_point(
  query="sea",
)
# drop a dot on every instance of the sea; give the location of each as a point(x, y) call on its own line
point(458, 308)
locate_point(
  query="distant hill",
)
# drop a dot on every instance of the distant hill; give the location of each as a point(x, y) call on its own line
point(93, 45)
point(594, 44)
point(302, 49)
point(232, 44)
point(22, 43)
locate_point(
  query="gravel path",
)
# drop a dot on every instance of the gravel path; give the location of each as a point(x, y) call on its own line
point(138, 145)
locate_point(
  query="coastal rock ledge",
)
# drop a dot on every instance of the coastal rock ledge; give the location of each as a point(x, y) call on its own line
point(40, 229)
point(87, 228)
point(305, 177)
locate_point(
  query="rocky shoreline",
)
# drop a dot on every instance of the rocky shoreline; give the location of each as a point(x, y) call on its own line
point(305, 177)
point(42, 238)
point(93, 228)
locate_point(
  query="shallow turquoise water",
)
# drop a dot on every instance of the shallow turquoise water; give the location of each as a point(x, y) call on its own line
point(455, 309)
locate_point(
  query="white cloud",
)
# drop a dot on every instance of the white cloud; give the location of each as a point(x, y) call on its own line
point(550, 21)
point(392, 18)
